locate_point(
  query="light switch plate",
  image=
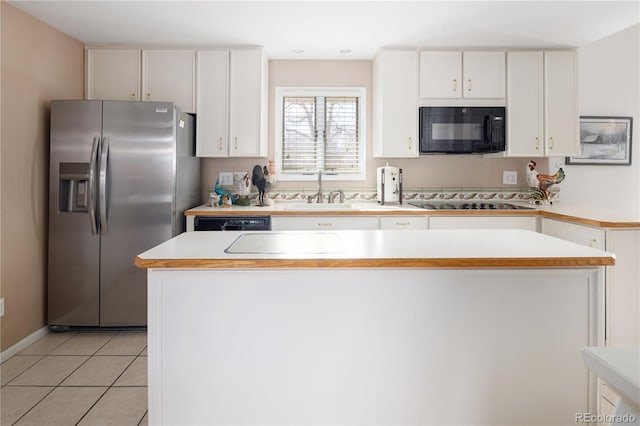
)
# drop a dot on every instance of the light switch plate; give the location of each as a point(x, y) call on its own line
point(226, 178)
point(509, 178)
point(2, 307)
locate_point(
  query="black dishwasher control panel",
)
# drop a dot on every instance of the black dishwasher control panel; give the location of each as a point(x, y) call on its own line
point(232, 223)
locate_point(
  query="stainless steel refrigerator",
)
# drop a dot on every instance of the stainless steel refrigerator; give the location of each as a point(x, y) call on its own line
point(121, 176)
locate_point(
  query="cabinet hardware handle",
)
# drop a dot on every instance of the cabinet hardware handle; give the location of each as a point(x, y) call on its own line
point(593, 243)
point(455, 85)
point(133, 96)
point(220, 144)
point(324, 223)
point(148, 96)
point(537, 142)
point(469, 86)
point(550, 143)
point(403, 223)
point(235, 142)
point(410, 142)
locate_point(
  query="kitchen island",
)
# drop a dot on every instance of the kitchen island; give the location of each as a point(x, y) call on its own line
point(372, 327)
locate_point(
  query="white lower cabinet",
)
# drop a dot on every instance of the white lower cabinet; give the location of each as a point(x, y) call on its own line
point(483, 222)
point(317, 223)
point(404, 222)
point(580, 234)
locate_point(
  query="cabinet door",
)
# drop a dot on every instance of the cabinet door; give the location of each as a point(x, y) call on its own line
point(169, 75)
point(212, 103)
point(585, 235)
point(113, 74)
point(561, 103)
point(525, 104)
point(308, 223)
point(440, 75)
point(482, 222)
point(395, 105)
point(484, 75)
point(404, 222)
point(246, 104)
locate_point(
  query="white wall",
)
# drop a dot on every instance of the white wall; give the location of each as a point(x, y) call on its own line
point(609, 85)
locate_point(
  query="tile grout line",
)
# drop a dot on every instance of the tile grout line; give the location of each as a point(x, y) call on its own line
point(34, 405)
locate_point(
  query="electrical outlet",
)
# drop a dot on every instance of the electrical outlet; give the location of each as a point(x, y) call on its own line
point(225, 178)
point(509, 178)
point(2, 307)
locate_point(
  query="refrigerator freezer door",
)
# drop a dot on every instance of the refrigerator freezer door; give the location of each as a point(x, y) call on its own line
point(74, 252)
point(139, 199)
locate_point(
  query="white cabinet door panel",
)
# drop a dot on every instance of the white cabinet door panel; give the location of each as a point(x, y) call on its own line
point(580, 234)
point(309, 223)
point(483, 75)
point(212, 103)
point(169, 75)
point(483, 222)
point(525, 104)
point(440, 75)
point(561, 103)
point(113, 74)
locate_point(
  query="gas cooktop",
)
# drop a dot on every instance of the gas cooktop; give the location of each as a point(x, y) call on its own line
point(467, 205)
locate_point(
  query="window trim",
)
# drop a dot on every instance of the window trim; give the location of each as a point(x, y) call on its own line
point(282, 92)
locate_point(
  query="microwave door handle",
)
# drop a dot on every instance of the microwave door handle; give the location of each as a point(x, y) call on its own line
point(93, 165)
point(487, 129)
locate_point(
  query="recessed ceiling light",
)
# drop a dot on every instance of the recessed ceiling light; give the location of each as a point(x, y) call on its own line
point(297, 51)
point(345, 51)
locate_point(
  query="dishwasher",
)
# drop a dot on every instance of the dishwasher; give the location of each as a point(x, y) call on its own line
point(232, 223)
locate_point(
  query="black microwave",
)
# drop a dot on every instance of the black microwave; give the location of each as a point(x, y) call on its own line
point(462, 130)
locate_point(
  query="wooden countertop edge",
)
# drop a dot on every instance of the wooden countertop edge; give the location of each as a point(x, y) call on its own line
point(552, 215)
point(555, 262)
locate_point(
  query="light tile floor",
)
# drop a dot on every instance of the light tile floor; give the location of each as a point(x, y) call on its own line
point(77, 378)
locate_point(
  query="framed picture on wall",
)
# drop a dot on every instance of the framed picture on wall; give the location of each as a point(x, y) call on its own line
point(604, 140)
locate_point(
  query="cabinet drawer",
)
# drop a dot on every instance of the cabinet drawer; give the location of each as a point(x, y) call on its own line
point(485, 222)
point(314, 223)
point(580, 234)
point(404, 222)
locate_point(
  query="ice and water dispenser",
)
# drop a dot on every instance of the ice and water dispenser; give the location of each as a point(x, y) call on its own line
point(73, 191)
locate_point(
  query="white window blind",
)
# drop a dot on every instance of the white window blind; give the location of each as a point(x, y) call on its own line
point(320, 131)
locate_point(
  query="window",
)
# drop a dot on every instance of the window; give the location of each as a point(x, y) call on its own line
point(320, 129)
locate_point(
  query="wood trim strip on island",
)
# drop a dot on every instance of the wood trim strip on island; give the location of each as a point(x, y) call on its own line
point(550, 262)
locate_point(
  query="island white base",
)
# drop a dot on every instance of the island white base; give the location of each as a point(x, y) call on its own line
point(372, 346)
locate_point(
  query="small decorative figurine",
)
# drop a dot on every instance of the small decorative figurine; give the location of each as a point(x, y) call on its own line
point(262, 180)
point(226, 201)
point(539, 183)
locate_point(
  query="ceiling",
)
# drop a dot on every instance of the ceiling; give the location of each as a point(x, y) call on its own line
point(321, 29)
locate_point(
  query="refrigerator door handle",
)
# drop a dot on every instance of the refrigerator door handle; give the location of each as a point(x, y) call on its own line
point(93, 164)
point(102, 188)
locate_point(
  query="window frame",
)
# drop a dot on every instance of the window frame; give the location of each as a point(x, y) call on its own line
point(359, 92)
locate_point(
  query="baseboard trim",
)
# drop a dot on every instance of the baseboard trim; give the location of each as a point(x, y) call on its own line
point(9, 352)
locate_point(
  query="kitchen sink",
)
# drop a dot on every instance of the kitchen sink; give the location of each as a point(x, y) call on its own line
point(316, 206)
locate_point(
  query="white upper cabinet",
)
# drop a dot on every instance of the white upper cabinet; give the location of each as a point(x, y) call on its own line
point(483, 75)
point(562, 120)
point(455, 75)
point(169, 75)
point(247, 107)
point(440, 75)
point(525, 104)
point(231, 94)
point(212, 103)
point(542, 104)
point(113, 74)
point(395, 110)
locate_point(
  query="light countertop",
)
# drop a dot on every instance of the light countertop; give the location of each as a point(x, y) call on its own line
point(619, 366)
point(593, 217)
point(371, 249)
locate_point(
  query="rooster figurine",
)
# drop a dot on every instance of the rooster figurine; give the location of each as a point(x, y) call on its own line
point(539, 183)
